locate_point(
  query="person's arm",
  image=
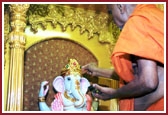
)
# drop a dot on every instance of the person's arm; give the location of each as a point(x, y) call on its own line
point(143, 102)
point(107, 73)
point(145, 82)
point(93, 70)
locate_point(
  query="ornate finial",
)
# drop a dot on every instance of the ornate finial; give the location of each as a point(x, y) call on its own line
point(72, 68)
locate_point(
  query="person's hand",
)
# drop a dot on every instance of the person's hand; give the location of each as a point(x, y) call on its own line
point(105, 93)
point(90, 69)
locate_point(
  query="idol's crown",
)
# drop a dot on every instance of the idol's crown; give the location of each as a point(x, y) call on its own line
point(72, 68)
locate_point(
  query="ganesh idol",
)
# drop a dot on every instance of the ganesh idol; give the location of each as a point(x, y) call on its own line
point(71, 90)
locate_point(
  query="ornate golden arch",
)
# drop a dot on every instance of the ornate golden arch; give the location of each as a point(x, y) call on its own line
point(85, 25)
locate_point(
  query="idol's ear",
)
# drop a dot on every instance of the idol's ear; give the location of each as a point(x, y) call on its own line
point(84, 85)
point(58, 84)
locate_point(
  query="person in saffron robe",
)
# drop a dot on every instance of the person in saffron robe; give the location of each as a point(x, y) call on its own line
point(138, 59)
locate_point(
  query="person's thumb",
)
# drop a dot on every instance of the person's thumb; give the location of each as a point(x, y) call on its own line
point(98, 87)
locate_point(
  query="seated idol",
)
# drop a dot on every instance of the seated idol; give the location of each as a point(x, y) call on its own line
point(71, 88)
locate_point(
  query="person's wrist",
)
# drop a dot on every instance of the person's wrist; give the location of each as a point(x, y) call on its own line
point(114, 94)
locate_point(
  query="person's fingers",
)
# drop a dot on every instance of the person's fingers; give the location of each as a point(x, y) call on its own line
point(85, 69)
point(91, 73)
point(89, 69)
point(88, 72)
point(98, 96)
point(85, 66)
point(101, 96)
point(100, 88)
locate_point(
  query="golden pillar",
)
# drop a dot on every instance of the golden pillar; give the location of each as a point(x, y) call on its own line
point(6, 31)
point(17, 44)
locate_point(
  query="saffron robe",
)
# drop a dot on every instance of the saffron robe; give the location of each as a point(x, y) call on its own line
point(142, 36)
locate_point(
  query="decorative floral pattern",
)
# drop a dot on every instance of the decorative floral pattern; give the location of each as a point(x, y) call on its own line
point(44, 61)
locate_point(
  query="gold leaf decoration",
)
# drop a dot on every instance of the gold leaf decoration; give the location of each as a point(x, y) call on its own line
point(95, 23)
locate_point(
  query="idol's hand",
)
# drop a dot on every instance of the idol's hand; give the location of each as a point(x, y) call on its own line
point(104, 93)
point(44, 89)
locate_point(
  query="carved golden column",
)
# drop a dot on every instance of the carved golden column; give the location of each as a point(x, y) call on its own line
point(6, 31)
point(17, 44)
